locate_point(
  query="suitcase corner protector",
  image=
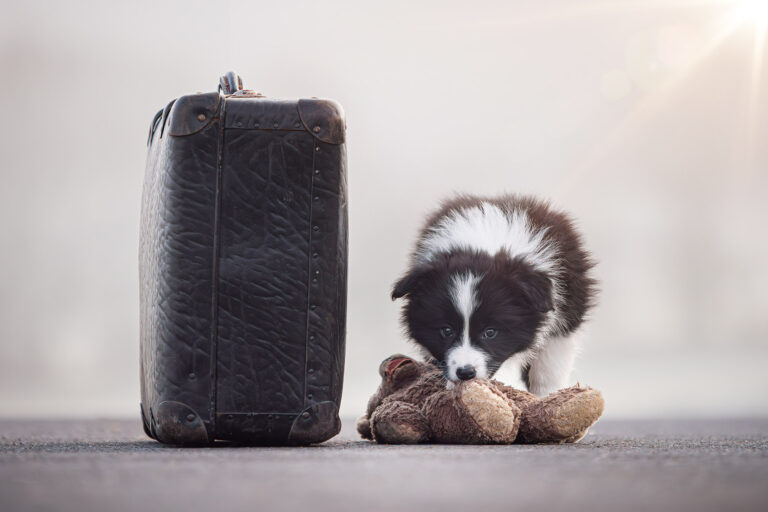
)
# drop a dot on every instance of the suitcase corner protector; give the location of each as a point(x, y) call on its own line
point(315, 424)
point(324, 119)
point(191, 113)
point(177, 423)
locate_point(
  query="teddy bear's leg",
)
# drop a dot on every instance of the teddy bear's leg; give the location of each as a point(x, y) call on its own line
point(561, 417)
point(473, 412)
point(395, 422)
point(364, 427)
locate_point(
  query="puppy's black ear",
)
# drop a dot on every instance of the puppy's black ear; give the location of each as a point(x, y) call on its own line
point(410, 282)
point(537, 287)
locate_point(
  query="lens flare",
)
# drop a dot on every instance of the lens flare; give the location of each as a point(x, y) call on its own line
point(754, 11)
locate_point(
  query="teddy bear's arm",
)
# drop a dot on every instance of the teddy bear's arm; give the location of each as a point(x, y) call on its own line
point(364, 427)
point(364, 422)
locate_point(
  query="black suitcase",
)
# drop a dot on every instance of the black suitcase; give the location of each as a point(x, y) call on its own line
point(243, 264)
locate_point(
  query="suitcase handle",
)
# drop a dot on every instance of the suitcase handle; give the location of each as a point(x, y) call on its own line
point(230, 83)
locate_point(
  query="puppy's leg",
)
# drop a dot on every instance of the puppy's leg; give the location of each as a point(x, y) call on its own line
point(551, 367)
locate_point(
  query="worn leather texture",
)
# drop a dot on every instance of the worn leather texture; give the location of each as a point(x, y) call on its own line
point(243, 265)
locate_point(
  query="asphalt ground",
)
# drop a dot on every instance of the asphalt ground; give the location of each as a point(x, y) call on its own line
point(109, 465)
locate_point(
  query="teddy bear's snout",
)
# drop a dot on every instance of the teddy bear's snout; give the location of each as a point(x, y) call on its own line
point(466, 372)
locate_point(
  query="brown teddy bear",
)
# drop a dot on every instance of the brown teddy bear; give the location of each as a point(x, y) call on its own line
point(413, 405)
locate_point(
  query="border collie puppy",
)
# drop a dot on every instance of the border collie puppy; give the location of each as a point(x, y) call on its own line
point(495, 280)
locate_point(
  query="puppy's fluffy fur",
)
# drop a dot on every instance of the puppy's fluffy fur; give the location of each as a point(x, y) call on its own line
point(498, 279)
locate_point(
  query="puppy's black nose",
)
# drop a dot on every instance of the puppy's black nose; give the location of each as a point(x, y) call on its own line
point(466, 372)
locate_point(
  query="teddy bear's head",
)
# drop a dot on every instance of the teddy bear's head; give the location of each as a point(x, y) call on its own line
point(399, 371)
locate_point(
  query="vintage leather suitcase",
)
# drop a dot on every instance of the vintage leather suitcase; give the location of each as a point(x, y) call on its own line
point(243, 265)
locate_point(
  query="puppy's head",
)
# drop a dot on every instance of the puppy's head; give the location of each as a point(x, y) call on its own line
point(473, 311)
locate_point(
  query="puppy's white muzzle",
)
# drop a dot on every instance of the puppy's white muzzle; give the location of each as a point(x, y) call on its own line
point(465, 362)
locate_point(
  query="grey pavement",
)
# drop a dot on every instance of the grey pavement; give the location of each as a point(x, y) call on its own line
point(697, 465)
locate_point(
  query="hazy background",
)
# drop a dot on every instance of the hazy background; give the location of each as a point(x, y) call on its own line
point(647, 120)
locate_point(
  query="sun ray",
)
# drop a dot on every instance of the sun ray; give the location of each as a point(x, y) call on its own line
point(754, 100)
point(649, 106)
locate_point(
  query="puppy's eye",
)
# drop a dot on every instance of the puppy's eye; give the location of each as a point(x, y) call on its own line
point(446, 333)
point(490, 333)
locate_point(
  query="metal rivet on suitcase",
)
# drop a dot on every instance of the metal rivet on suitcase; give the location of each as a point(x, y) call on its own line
point(229, 416)
point(312, 337)
point(192, 376)
point(275, 125)
point(316, 129)
point(305, 415)
point(297, 125)
point(201, 117)
point(238, 123)
point(315, 255)
point(317, 171)
point(313, 307)
point(317, 148)
point(309, 396)
point(190, 417)
point(317, 198)
point(317, 272)
point(316, 228)
point(311, 370)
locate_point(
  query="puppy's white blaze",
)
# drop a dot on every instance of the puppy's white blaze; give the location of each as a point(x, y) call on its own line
point(487, 228)
point(464, 297)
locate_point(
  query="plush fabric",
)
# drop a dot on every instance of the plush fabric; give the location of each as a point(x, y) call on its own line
point(415, 404)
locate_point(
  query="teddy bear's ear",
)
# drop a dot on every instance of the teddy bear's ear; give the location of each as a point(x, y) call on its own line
point(411, 281)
